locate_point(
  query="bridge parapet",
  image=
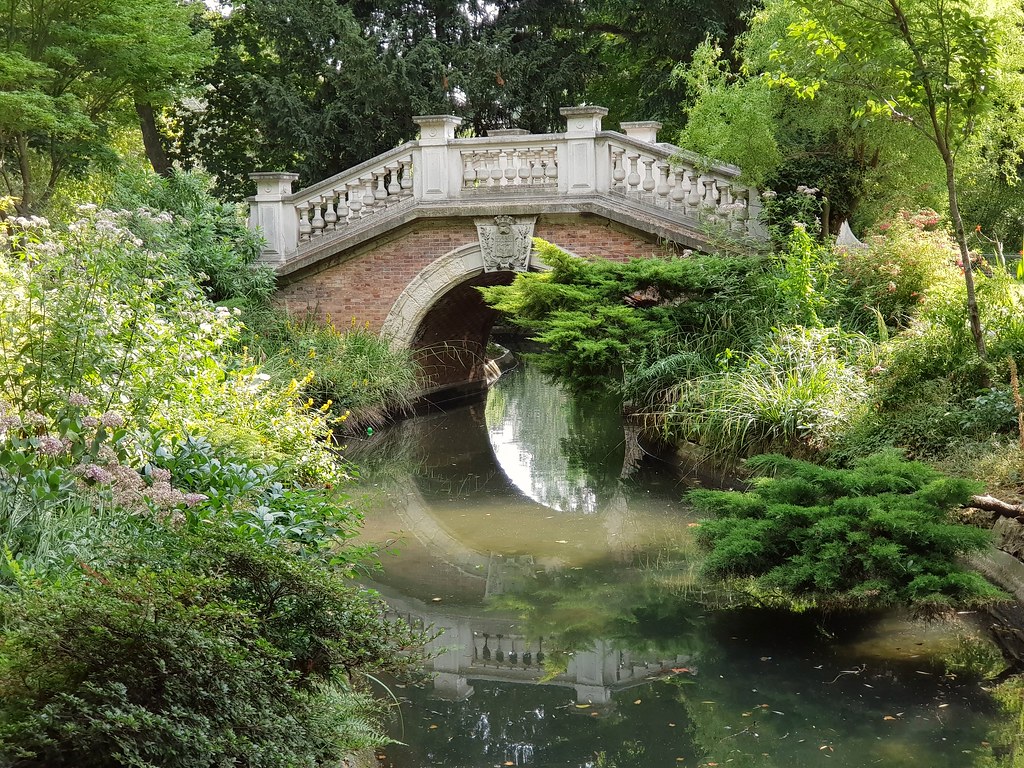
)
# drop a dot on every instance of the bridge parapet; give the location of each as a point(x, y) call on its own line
point(440, 175)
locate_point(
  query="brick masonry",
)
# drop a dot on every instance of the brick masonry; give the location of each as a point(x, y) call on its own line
point(365, 283)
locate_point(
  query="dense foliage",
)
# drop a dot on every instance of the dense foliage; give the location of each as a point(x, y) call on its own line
point(72, 75)
point(611, 325)
point(194, 650)
point(175, 572)
point(878, 533)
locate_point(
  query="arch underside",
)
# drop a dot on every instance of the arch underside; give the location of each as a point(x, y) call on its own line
point(443, 318)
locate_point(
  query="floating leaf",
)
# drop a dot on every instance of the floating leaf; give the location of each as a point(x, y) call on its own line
point(582, 706)
point(638, 701)
point(888, 717)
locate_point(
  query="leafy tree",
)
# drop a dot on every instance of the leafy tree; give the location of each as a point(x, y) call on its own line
point(934, 65)
point(72, 73)
point(876, 534)
point(856, 166)
point(317, 86)
point(641, 45)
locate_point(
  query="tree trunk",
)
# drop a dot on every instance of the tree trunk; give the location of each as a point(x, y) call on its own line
point(151, 138)
point(973, 315)
point(24, 205)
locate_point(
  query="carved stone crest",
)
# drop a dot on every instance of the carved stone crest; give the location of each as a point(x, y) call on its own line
point(505, 242)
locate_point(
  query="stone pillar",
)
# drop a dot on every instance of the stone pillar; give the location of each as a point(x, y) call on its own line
point(577, 165)
point(642, 130)
point(433, 173)
point(277, 220)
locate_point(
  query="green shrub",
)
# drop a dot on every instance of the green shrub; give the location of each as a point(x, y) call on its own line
point(802, 277)
point(208, 238)
point(92, 311)
point(876, 534)
point(236, 655)
point(897, 270)
point(608, 325)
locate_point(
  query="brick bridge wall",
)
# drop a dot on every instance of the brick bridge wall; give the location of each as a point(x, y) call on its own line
point(365, 283)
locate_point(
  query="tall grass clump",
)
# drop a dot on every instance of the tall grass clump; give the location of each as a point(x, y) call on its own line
point(796, 394)
point(353, 374)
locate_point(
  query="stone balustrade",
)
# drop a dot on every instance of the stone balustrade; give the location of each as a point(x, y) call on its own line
point(439, 174)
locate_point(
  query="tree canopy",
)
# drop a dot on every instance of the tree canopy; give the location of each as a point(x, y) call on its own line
point(73, 73)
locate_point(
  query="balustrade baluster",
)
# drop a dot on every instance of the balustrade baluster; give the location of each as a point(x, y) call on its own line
point(649, 183)
point(551, 166)
point(724, 210)
point(330, 215)
point(355, 201)
point(678, 189)
point(742, 212)
point(342, 194)
point(393, 186)
point(302, 210)
point(693, 192)
point(662, 188)
point(536, 167)
point(468, 169)
point(317, 223)
point(633, 179)
point(407, 176)
point(495, 168)
point(510, 168)
point(380, 193)
point(523, 169)
point(618, 172)
point(368, 198)
point(710, 201)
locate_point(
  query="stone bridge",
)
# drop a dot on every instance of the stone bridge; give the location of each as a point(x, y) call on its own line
point(400, 243)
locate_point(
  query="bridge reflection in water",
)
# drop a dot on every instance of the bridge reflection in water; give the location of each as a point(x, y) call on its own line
point(510, 515)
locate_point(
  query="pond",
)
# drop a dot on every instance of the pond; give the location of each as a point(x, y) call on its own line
point(554, 558)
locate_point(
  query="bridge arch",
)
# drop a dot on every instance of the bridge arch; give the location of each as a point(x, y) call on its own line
point(396, 243)
point(442, 317)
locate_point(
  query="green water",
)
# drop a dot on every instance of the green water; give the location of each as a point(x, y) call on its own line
point(555, 559)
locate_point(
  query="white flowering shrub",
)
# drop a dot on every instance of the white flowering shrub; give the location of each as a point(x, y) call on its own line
point(92, 310)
